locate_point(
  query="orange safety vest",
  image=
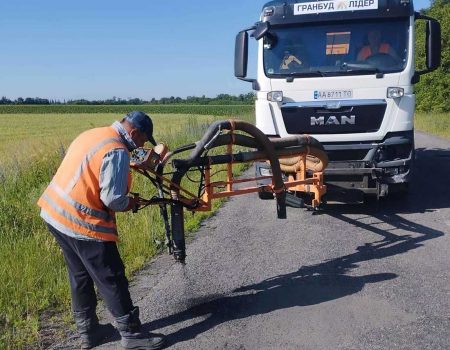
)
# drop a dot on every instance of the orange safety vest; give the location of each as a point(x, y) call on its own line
point(73, 196)
point(366, 51)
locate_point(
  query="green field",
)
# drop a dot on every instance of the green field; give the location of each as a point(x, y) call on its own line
point(38, 135)
point(32, 270)
point(218, 110)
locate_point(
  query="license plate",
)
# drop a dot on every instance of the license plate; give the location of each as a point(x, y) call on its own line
point(332, 94)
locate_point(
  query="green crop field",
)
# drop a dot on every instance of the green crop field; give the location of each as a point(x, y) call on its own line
point(36, 135)
point(32, 271)
point(218, 110)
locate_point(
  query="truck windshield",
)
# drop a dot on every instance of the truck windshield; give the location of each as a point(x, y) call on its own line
point(350, 48)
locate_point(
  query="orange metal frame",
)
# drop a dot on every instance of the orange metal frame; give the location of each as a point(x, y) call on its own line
point(298, 182)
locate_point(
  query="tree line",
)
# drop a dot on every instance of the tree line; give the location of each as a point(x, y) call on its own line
point(221, 99)
point(433, 90)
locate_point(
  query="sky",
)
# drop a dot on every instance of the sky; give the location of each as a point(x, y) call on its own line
point(97, 49)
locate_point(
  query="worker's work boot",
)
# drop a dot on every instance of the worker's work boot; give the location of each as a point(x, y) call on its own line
point(129, 327)
point(91, 332)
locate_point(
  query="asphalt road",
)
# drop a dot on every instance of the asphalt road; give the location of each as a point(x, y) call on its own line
point(350, 278)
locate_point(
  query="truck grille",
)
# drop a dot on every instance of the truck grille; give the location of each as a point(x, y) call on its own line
point(333, 117)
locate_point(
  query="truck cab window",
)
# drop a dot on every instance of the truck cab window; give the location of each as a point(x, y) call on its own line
point(332, 48)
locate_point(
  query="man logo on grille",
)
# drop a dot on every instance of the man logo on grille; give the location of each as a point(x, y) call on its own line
point(333, 120)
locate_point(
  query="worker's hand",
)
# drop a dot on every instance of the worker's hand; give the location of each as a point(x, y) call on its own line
point(133, 204)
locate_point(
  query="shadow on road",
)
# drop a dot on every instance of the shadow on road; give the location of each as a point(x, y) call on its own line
point(285, 291)
point(309, 285)
point(430, 185)
point(429, 188)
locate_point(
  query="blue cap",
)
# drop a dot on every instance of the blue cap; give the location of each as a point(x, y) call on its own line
point(142, 122)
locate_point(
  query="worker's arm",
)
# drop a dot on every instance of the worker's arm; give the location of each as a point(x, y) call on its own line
point(114, 181)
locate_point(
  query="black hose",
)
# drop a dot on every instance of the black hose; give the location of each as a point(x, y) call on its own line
point(262, 141)
point(299, 140)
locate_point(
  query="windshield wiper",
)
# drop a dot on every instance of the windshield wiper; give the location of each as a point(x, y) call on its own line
point(359, 67)
point(313, 73)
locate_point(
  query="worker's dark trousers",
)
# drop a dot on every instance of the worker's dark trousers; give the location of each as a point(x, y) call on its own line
point(90, 262)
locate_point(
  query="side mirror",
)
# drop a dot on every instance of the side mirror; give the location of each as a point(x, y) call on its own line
point(433, 45)
point(241, 55)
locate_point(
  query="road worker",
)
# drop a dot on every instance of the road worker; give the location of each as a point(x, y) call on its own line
point(79, 208)
point(375, 46)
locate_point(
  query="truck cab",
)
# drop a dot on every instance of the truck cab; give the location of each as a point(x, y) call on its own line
point(343, 72)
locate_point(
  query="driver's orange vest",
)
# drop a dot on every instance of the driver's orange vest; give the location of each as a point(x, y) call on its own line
point(366, 51)
point(72, 198)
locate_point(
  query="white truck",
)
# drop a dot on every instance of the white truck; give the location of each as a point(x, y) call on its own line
point(342, 71)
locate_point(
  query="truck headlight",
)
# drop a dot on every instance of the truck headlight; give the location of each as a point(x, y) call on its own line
point(275, 96)
point(395, 92)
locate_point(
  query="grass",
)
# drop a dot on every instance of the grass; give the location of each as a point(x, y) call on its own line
point(433, 123)
point(31, 136)
point(32, 270)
